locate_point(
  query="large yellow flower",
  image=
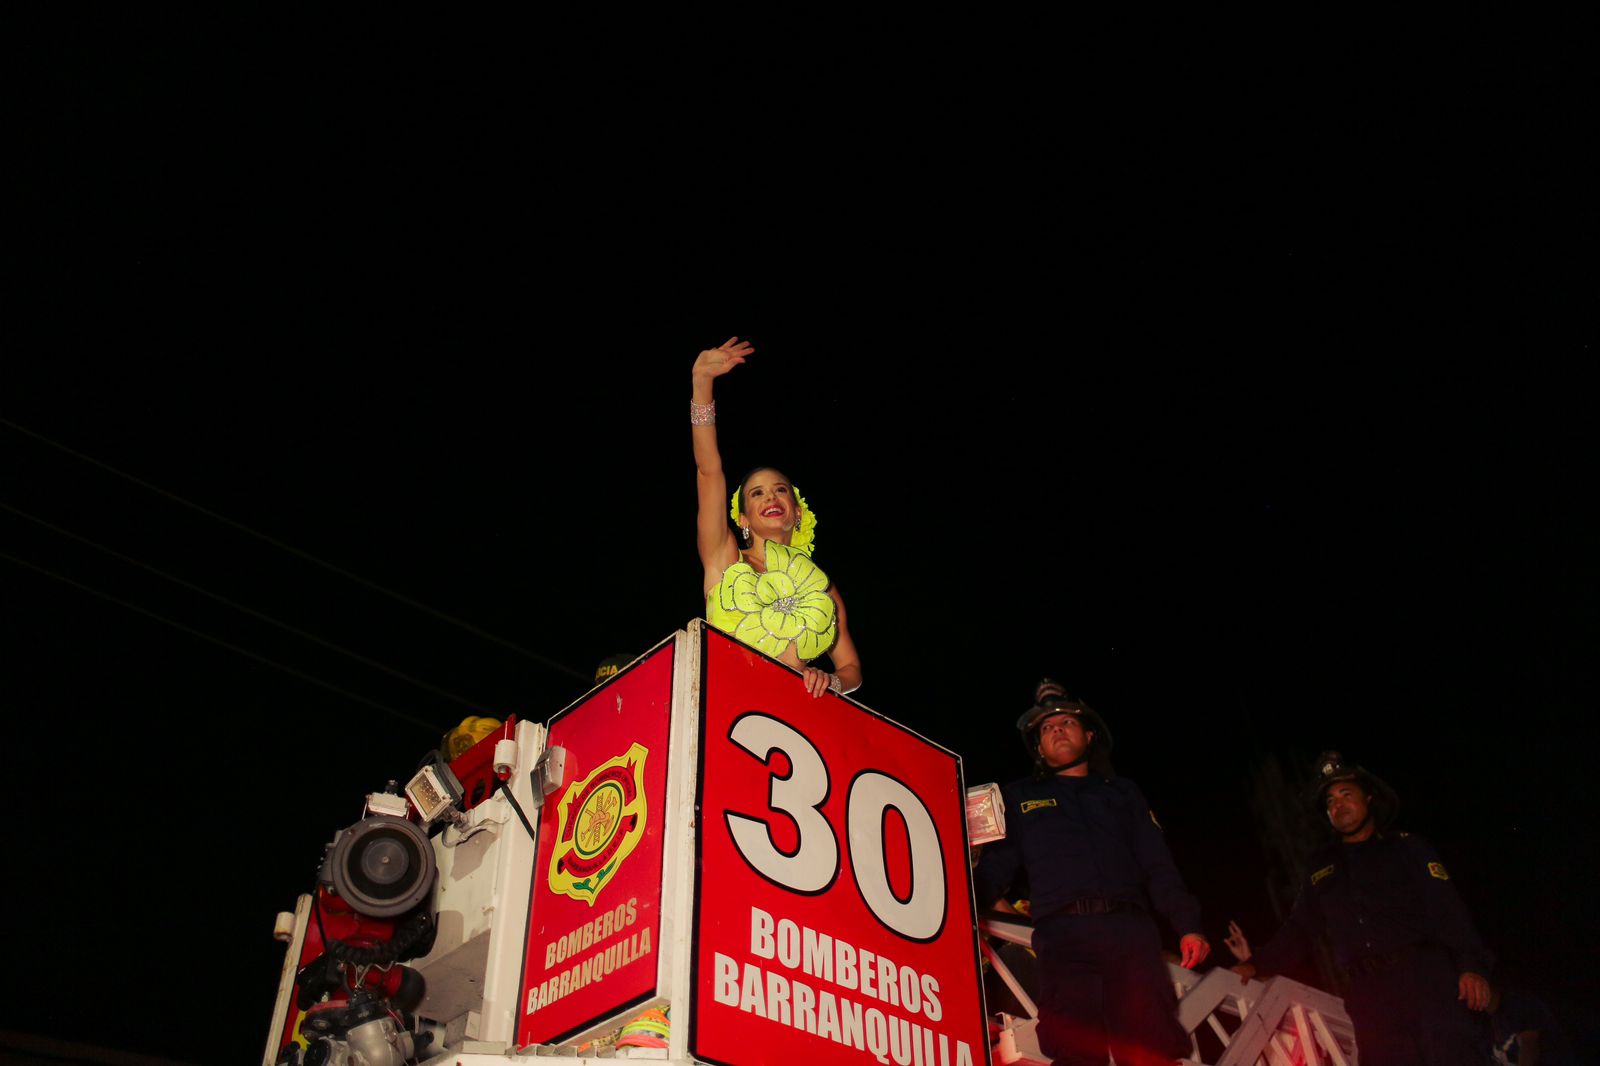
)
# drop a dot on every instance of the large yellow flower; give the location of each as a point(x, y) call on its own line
point(768, 611)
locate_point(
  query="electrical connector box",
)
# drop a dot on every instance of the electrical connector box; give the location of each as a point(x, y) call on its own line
point(986, 814)
point(433, 791)
point(387, 803)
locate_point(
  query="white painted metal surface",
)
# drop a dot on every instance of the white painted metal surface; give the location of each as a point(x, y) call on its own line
point(482, 904)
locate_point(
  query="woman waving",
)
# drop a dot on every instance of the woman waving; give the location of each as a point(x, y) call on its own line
point(761, 586)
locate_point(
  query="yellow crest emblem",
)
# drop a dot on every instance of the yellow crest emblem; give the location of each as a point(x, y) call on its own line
point(1437, 869)
point(599, 821)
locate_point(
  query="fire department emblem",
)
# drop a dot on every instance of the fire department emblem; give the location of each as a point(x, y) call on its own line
point(599, 821)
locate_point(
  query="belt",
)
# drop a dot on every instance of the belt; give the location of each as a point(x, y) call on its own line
point(1096, 906)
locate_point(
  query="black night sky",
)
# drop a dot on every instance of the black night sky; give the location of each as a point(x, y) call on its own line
point(1266, 424)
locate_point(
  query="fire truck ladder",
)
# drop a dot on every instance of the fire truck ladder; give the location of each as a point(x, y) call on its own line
point(1230, 1022)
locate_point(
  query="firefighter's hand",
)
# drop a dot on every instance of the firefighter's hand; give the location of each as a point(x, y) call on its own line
point(1195, 948)
point(1474, 991)
point(1245, 970)
point(1236, 942)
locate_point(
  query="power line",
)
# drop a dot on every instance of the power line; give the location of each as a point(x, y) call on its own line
point(307, 556)
point(475, 705)
point(301, 674)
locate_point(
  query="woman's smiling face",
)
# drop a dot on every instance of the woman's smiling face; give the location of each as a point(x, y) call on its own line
point(767, 503)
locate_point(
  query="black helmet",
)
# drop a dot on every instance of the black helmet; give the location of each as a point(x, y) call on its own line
point(1050, 697)
point(611, 666)
point(1331, 768)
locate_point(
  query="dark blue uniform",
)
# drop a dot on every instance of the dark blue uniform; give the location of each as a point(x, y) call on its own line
point(1095, 862)
point(1400, 930)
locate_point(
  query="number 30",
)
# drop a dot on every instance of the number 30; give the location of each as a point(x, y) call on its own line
point(811, 868)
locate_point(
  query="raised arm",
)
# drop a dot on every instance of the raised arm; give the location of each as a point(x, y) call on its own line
point(717, 547)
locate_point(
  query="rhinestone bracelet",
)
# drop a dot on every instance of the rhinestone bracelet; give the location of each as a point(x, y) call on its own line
point(703, 414)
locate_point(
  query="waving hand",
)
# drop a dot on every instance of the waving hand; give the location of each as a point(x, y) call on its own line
point(715, 362)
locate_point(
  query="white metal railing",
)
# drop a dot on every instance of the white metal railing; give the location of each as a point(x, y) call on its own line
point(1230, 1022)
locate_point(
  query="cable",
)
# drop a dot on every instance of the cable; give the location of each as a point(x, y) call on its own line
point(307, 556)
point(405, 936)
point(466, 834)
point(476, 706)
point(505, 788)
point(302, 675)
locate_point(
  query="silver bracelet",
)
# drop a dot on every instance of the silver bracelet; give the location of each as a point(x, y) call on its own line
point(836, 683)
point(703, 414)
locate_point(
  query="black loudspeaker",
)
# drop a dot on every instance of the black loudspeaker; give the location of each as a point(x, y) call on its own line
point(382, 866)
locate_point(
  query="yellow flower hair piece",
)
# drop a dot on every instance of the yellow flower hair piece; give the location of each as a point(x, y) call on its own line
point(803, 539)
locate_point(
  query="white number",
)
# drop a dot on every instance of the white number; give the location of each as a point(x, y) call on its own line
point(815, 862)
point(921, 915)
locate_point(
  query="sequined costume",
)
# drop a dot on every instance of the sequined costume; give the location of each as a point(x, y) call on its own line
point(787, 603)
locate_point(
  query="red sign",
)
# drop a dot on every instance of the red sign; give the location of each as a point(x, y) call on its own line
point(595, 915)
point(833, 918)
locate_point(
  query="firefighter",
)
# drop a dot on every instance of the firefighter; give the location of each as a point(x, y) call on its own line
point(1096, 863)
point(1417, 968)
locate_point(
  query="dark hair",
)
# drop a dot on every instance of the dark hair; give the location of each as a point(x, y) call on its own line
point(754, 470)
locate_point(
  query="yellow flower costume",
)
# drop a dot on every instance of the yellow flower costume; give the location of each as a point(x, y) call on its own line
point(769, 611)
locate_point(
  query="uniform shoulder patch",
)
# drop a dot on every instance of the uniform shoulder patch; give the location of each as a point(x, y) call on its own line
point(1033, 805)
point(1437, 869)
point(1320, 874)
